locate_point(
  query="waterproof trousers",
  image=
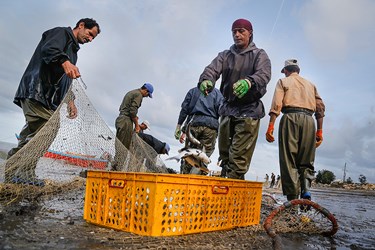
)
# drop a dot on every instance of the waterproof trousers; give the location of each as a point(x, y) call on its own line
point(36, 116)
point(42, 125)
point(207, 137)
point(296, 153)
point(237, 140)
point(124, 130)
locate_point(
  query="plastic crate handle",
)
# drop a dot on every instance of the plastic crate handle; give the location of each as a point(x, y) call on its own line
point(220, 189)
point(117, 183)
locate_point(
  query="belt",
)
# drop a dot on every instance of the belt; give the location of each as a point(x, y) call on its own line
point(297, 110)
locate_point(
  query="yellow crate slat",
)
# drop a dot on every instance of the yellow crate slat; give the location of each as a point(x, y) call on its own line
point(165, 204)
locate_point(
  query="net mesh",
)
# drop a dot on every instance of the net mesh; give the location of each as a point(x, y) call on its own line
point(299, 215)
point(61, 151)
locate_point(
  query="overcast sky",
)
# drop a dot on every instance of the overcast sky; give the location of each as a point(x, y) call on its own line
point(168, 43)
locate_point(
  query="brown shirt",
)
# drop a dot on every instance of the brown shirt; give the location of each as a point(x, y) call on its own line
point(295, 91)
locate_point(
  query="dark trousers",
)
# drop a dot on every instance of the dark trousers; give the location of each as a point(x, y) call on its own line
point(296, 152)
point(237, 140)
point(36, 116)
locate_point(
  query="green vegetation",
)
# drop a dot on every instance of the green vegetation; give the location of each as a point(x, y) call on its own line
point(349, 180)
point(325, 177)
point(362, 179)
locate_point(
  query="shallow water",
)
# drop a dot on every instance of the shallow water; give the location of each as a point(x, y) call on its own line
point(355, 214)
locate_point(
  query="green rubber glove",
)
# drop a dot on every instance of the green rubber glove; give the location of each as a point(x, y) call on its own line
point(206, 86)
point(241, 87)
point(177, 132)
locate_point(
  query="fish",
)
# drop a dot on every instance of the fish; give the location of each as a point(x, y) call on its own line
point(191, 138)
point(196, 153)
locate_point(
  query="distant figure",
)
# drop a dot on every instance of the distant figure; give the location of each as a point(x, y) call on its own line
point(266, 180)
point(298, 99)
point(278, 182)
point(273, 178)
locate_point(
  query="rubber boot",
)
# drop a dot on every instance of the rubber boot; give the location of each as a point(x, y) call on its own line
point(306, 177)
point(291, 197)
point(224, 168)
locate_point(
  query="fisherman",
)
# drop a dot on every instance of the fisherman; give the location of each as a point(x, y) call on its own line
point(245, 71)
point(202, 114)
point(298, 99)
point(46, 81)
point(159, 146)
point(127, 121)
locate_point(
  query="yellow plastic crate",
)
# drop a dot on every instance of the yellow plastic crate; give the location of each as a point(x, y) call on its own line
point(170, 204)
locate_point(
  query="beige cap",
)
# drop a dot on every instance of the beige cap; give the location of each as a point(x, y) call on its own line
point(145, 122)
point(290, 62)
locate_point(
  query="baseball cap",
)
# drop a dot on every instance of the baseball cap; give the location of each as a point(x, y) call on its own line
point(167, 148)
point(147, 123)
point(290, 62)
point(149, 88)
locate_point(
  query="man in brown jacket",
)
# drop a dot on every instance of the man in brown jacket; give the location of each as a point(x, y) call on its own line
point(298, 99)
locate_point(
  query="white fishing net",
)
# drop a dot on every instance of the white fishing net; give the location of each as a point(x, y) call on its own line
point(65, 147)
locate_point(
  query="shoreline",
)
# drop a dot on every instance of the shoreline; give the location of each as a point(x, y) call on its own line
point(333, 190)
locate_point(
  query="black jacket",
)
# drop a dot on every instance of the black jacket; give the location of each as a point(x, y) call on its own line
point(44, 79)
point(156, 144)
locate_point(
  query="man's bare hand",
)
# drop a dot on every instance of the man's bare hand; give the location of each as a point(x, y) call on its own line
point(182, 138)
point(72, 110)
point(71, 70)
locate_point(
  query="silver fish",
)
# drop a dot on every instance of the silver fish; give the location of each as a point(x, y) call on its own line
point(191, 138)
point(196, 153)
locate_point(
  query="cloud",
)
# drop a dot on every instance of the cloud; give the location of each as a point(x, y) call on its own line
point(338, 29)
point(350, 142)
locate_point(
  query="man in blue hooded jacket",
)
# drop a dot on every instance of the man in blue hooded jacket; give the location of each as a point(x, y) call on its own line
point(202, 113)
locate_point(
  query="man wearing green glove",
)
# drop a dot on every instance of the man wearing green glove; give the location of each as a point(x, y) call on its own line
point(245, 71)
point(202, 112)
point(298, 99)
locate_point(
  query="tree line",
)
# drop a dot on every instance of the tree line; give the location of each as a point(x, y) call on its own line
point(327, 177)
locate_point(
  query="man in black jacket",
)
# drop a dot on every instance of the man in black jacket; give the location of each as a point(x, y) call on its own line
point(44, 83)
point(159, 146)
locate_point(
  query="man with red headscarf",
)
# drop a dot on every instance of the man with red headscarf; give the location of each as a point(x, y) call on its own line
point(245, 71)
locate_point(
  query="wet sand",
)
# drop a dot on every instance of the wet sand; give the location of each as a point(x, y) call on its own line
point(59, 224)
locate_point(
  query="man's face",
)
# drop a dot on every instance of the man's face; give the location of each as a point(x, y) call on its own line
point(241, 37)
point(86, 35)
point(143, 126)
point(144, 92)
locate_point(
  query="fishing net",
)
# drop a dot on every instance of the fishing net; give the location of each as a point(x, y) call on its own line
point(300, 215)
point(54, 159)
